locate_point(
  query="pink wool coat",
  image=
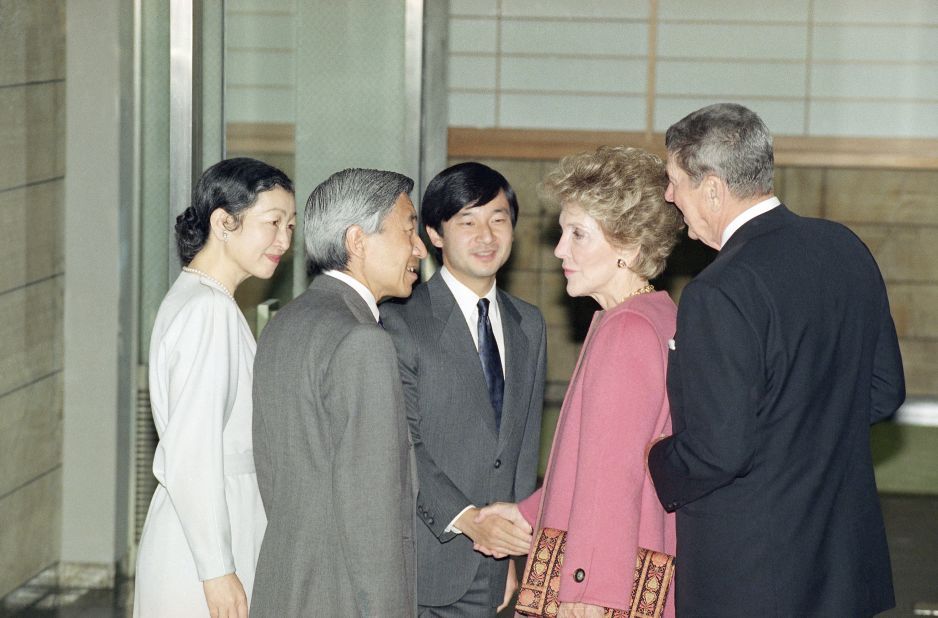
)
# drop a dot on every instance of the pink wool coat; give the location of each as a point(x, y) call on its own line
point(596, 486)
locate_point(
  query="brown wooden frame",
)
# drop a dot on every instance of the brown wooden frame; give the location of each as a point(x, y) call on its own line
point(544, 144)
point(837, 152)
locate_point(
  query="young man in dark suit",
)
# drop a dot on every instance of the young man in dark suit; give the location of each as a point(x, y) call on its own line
point(785, 353)
point(472, 361)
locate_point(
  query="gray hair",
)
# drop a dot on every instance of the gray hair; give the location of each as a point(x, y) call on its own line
point(353, 196)
point(728, 141)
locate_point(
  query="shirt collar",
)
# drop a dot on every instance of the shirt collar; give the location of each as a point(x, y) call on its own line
point(748, 215)
point(359, 287)
point(467, 299)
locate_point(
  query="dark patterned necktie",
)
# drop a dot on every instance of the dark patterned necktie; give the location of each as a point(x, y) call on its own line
point(491, 362)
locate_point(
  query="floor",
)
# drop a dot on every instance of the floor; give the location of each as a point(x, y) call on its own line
point(912, 531)
point(911, 525)
point(39, 598)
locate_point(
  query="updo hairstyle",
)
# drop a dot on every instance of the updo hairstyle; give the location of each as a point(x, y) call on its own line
point(231, 184)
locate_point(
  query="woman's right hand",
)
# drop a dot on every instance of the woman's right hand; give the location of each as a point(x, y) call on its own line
point(497, 530)
point(225, 597)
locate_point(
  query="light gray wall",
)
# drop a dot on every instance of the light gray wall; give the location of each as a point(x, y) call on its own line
point(32, 169)
point(98, 329)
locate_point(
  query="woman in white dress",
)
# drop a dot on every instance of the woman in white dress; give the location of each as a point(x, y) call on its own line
point(206, 521)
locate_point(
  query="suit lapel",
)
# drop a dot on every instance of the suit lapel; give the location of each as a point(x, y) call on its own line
point(457, 340)
point(514, 406)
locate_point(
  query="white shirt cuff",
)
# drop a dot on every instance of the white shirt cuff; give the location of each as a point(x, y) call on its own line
point(452, 525)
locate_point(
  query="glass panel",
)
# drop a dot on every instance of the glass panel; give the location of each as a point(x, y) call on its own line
point(276, 79)
point(259, 105)
point(154, 166)
point(315, 86)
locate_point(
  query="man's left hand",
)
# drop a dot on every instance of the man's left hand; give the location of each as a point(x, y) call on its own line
point(649, 447)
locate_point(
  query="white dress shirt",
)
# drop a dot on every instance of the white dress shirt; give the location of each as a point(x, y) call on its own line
point(468, 303)
point(748, 215)
point(359, 287)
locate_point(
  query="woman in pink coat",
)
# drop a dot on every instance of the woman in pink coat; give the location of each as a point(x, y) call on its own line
point(617, 232)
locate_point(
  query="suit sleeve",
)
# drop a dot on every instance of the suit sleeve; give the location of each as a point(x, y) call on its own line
point(623, 395)
point(201, 374)
point(529, 506)
point(438, 499)
point(529, 457)
point(721, 376)
point(260, 432)
point(887, 390)
point(363, 394)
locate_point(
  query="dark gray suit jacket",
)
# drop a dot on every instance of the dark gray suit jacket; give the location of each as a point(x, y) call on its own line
point(461, 458)
point(334, 462)
point(785, 352)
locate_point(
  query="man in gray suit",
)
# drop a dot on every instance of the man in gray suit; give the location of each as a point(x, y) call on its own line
point(334, 461)
point(472, 361)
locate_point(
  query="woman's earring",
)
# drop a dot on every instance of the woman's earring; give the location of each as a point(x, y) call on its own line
point(621, 263)
point(224, 236)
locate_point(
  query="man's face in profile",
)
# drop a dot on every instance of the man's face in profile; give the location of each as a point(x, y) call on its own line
point(393, 254)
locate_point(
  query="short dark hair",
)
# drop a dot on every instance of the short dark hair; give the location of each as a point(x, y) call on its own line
point(459, 186)
point(231, 184)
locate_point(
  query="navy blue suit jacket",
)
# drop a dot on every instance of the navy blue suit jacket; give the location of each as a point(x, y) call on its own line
point(785, 353)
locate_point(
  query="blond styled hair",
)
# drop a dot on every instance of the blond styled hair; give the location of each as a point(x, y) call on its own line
point(623, 190)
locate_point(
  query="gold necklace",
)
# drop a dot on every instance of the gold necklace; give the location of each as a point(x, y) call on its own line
point(196, 271)
point(643, 290)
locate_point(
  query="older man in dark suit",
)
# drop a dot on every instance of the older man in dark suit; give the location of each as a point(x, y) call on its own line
point(785, 353)
point(331, 446)
point(472, 360)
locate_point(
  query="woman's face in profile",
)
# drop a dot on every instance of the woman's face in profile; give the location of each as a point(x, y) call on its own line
point(265, 233)
point(589, 262)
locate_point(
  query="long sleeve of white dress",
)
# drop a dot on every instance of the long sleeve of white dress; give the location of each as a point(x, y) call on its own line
point(197, 367)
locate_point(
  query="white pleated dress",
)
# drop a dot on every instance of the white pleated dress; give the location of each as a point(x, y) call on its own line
point(206, 518)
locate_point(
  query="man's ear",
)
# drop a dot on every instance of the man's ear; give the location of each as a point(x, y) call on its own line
point(435, 237)
point(714, 191)
point(355, 241)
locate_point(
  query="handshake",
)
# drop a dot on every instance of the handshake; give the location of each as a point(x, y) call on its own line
point(497, 530)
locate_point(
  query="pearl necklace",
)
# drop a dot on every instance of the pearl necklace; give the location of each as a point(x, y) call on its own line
point(196, 271)
point(643, 290)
